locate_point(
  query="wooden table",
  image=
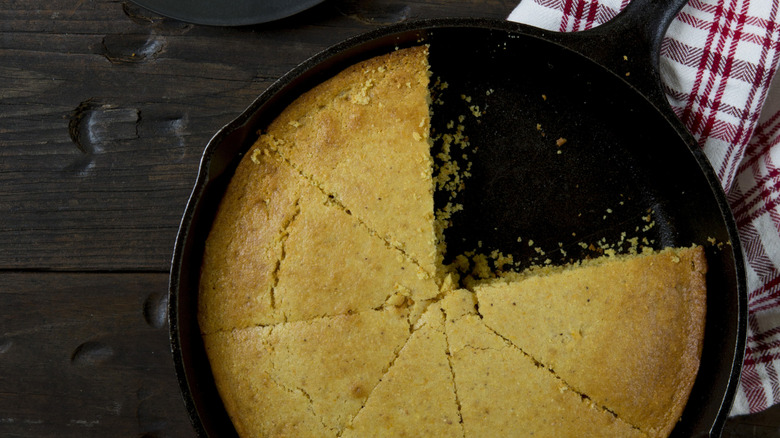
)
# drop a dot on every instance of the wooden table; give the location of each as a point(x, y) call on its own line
point(105, 109)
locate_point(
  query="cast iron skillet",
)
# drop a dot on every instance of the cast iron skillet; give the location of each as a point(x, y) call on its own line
point(628, 166)
point(227, 12)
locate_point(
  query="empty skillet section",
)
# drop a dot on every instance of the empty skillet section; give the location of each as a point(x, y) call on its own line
point(562, 155)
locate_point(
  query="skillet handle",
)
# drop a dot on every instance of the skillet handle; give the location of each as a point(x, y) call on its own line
point(630, 45)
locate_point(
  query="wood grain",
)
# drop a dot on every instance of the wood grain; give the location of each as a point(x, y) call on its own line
point(87, 355)
point(106, 109)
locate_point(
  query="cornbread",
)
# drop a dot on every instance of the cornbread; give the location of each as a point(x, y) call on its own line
point(504, 392)
point(326, 310)
point(417, 396)
point(612, 329)
point(362, 138)
point(304, 378)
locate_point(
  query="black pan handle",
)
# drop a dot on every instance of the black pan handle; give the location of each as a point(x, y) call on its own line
point(629, 45)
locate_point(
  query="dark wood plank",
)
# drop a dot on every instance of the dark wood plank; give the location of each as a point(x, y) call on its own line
point(87, 355)
point(105, 109)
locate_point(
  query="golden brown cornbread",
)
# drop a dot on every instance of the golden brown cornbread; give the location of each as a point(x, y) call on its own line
point(625, 331)
point(417, 396)
point(304, 378)
point(325, 310)
point(302, 257)
point(363, 138)
point(258, 404)
point(332, 265)
point(503, 392)
point(244, 248)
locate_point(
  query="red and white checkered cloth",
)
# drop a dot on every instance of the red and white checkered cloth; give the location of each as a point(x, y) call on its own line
point(717, 64)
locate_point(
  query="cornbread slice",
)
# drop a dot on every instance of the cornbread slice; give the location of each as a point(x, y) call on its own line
point(305, 378)
point(258, 405)
point(301, 257)
point(503, 392)
point(243, 249)
point(626, 331)
point(333, 265)
point(416, 397)
point(362, 136)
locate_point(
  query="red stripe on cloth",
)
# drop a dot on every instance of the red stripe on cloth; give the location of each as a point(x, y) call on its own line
point(721, 87)
point(585, 14)
point(761, 337)
point(690, 55)
point(764, 191)
point(767, 129)
point(752, 359)
point(704, 7)
point(605, 13)
point(567, 7)
point(692, 20)
point(755, 385)
point(676, 95)
point(747, 71)
point(681, 53)
point(763, 78)
point(578, 11)
point(766, 207)
point(756, 352)
point(759, 261)
point(751, 383)
point(767, 291)
point(551, 4)
point(722, 130)
point(764, 139)
point(766, 187)
point(761, 22)
point(766, 303)
point(590, 18)
point(688, 115)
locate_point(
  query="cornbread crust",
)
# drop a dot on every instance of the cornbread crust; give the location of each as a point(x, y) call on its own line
point(371, 119)
point(304, 378)
point(626, 331)
point(244, 247)
point(503, 392)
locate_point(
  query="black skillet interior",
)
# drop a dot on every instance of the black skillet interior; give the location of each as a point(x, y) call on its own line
point(624, 172)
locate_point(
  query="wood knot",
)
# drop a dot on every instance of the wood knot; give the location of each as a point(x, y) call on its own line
point(91, 353)
point(92, 125)
point(121, 49)
point(155, 310)
point(5, 345)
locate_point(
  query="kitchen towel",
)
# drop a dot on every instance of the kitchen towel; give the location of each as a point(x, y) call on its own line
point(718, 61)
